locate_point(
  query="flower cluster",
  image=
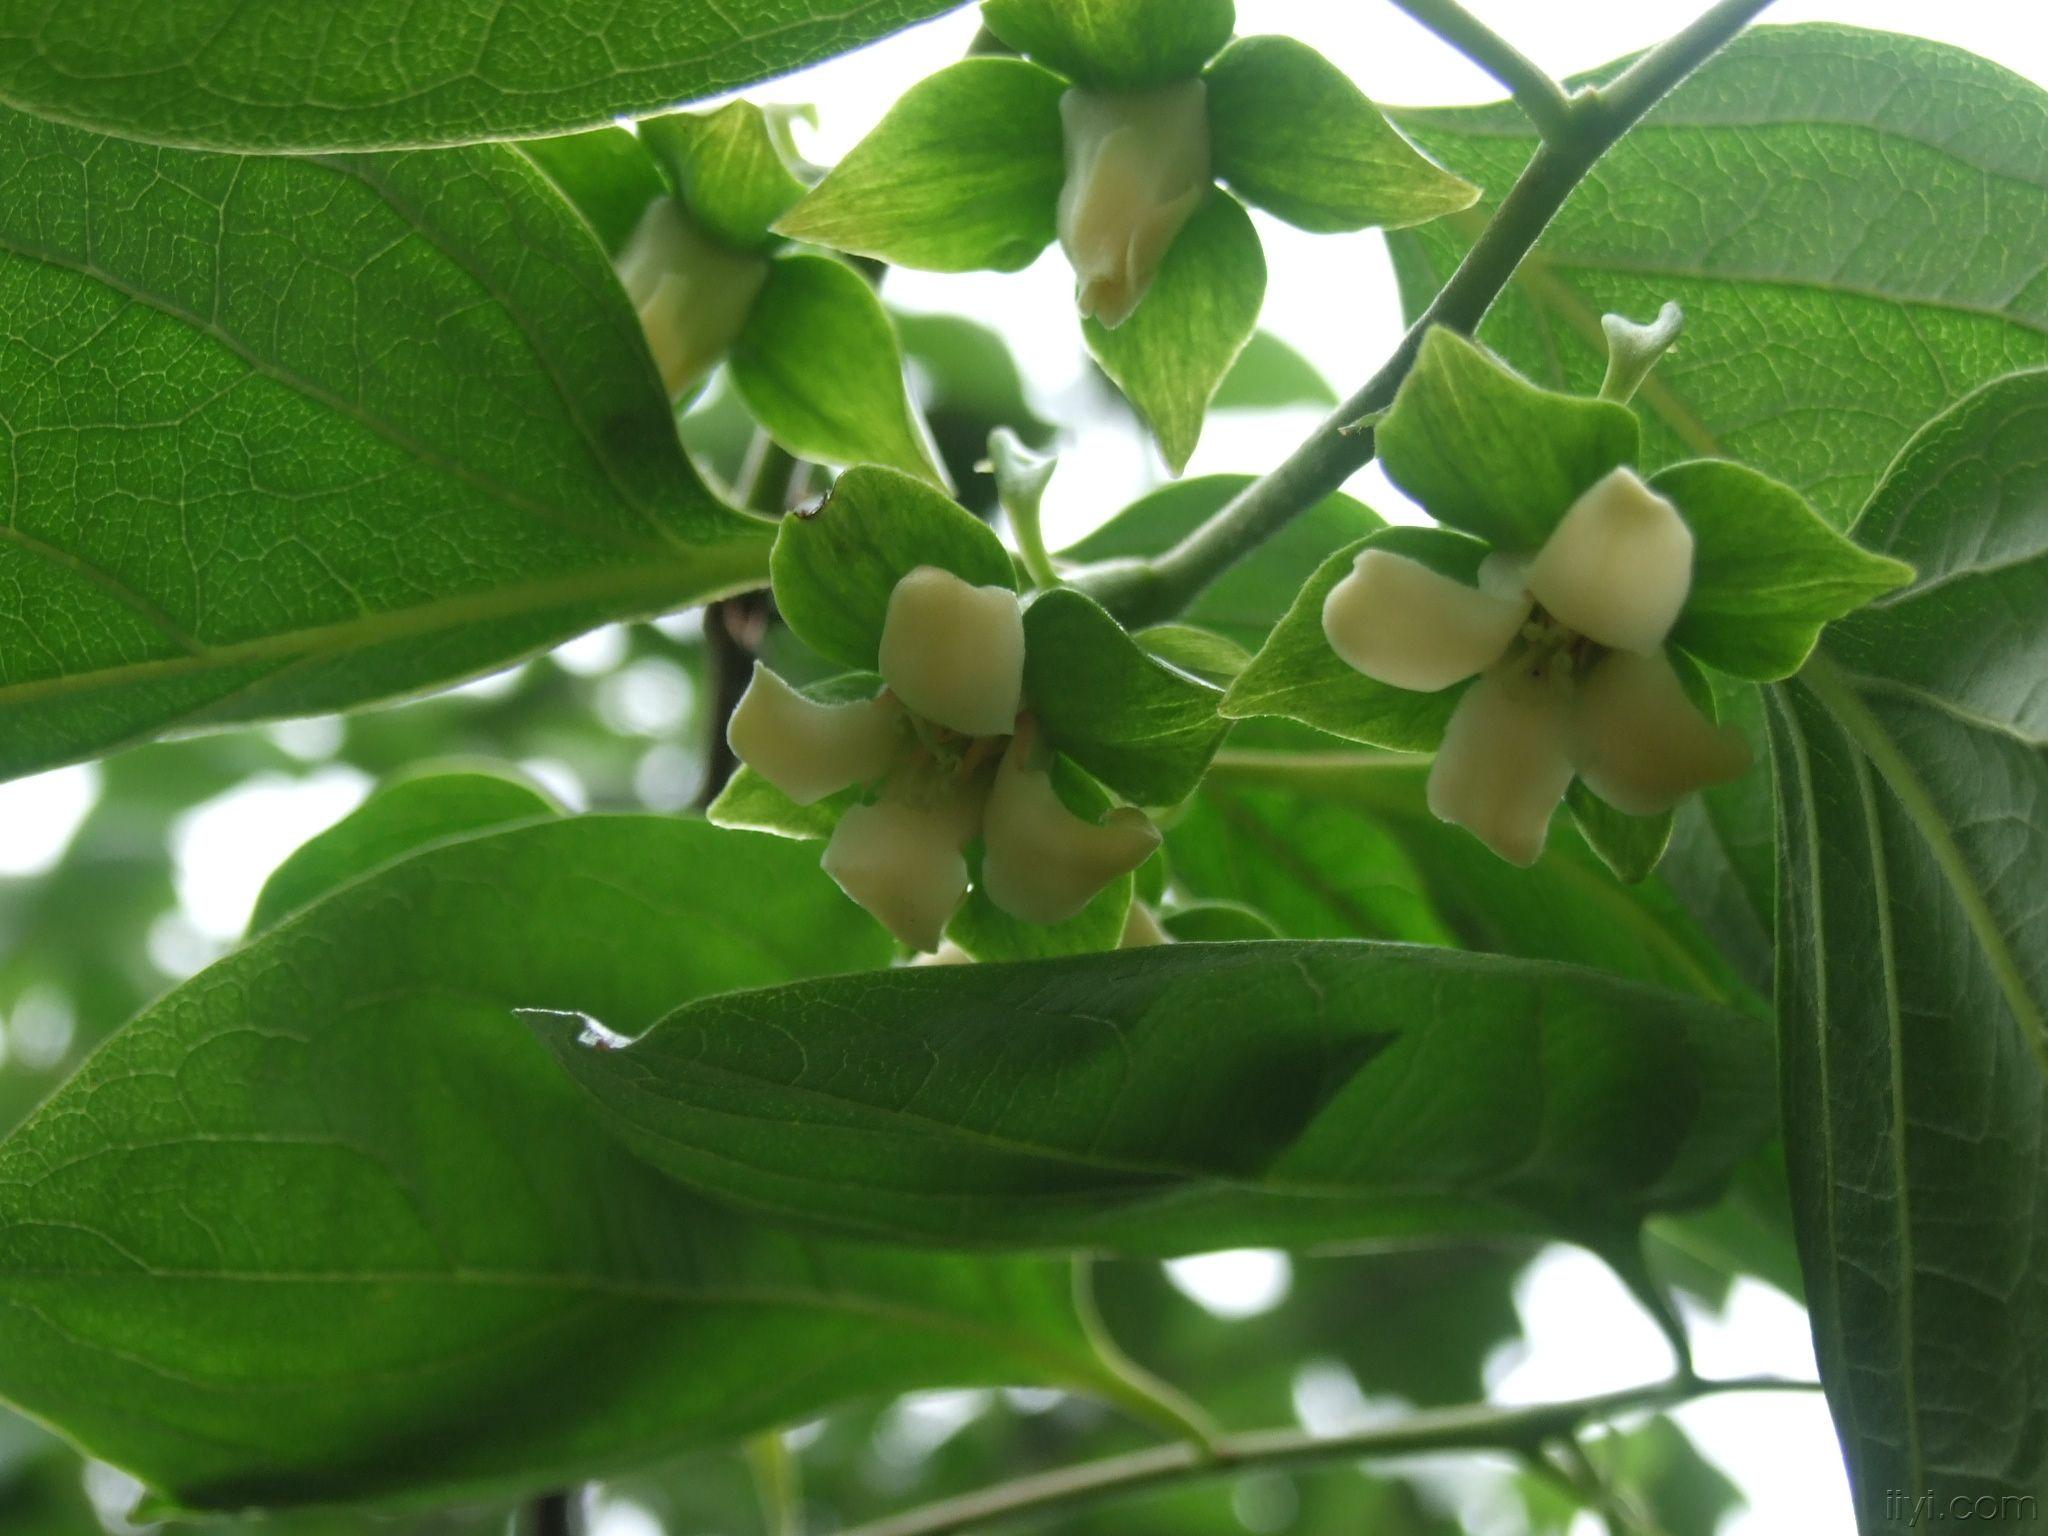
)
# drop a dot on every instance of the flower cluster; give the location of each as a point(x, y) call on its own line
point(943, 756)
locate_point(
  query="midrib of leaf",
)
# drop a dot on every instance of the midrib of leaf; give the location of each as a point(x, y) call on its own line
point(1828, 685)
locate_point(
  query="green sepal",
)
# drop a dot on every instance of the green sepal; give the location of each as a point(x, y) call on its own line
point(729, 168)
point(1298, 676)
point(819, 367)
point(1145, 729)
point(1767, 572)
point(963, 173)
point(1484, 450)
point(607, 174)
point(1120, 45)
point(1291, 134)
point(1175, 349)
point(834, 568)
point(1217, 658)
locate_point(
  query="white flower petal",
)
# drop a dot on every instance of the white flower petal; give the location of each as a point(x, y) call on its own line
point(1638, 741)
point(1502, 768)
point(1137, 169)
point(1618, 567)
point(1403, 624)
point(1041, 863)
point(810, 750)
point(1142, 930)
point(954, 653)
point(901, 860)
point(693, 295)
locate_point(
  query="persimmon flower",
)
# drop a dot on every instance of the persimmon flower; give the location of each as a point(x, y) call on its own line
point(1568, 649)
point(693, 294)
point(1137, 169)
point(930, 754)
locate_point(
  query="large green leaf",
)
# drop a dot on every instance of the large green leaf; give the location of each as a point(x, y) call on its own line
point(1116, 45)
point(291, 435)
point(1198, 1096)
point(1912, 762)
point(1851, 219)
point(326, 1224)
point(286, 75)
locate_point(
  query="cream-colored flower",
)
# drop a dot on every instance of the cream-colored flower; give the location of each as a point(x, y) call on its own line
point(1568, 647)
point(1042, 863)
point(954, 653)
point(902, 856)
point(1142, 930)
point(1137, 169)
point(692, 293)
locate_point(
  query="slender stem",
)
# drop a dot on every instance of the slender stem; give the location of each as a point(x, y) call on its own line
point(1480, 1427)
point(1541, 98)
point(1151, 592)
point(777, 1484)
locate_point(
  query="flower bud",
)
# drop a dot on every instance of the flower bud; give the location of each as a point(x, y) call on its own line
point(693, 295)
point(1503, 767)
point(954, 653)
point(810, 750)
point(900, 858)
point(1405, 625)
point(1137, 169)
point(1041, 863)
point(1618, 567)
point(1639, 742)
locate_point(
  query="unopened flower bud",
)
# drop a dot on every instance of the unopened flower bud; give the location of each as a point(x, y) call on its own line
point(1405, 625)
point(954, 653)
point(693, 294)
point(1137, 169)
point(810, 750)
point(1639, 742)
point(1042, 863)
point(900, 858)
point(1503, 767)
point(1618, 567)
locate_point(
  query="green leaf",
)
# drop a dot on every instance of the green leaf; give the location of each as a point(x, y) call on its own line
point(400, 818)
point(1297, 674)
point(1270, 375)
point(1246, 601)
point(1368, 1090)
point(386, 423)
point(818, 365)
point(1292, 135)
point(967, 370)
point(326, 1224)
point(728, 169)
point(1171, 354)
point(282, 75)
point(1912, 764)
point(1484, 450)
point(1216, 922)
point(609, 176)
point(1115, 44)
point(1141, 727)
point(1767, 573)
point(836, 567)
point(1194, 649)
point(964, 172)
point(1849, 239)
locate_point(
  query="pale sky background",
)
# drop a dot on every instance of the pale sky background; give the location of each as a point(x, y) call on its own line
point(1333, 299)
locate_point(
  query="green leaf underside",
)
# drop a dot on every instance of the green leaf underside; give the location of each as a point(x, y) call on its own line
point(1294, 136)
point(1299, 676)
point(1339, 843)
point(836, 567)
point(1141, 727)
point(1270, 375)
point(327, 1225)
point(1125, 45)
point(607, 173)
point(1487, 452)
point(964, 172)
point(1912, 765)
point(1370, 1090)
point(726, 168)
point(1854, 242)
point(1171, 354)
point(819, 367)
point(399, 818)
point(287, 436)
point(1246, 601)
point(282, 75)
